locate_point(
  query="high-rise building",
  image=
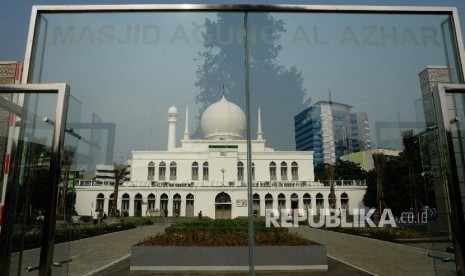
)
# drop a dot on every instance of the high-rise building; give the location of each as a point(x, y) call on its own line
point(433, 168)
point(331, 130)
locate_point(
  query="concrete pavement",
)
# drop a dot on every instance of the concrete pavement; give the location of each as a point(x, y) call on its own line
point(94, 254)
point(376, 256)
point(98, 255)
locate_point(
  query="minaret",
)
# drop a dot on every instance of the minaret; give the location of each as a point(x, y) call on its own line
point(186, 125)
point(172, 121)
point(259, 130)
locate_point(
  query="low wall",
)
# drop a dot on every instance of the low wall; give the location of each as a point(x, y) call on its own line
point(267, 258)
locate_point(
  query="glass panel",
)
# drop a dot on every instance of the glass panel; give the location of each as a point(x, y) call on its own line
point(28, 184)
point(450, 130)
point(67, 218)
point(450, 47)
point(345, 86)
point(339, 85)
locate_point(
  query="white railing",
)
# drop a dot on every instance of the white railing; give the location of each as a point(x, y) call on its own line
point(257, 184)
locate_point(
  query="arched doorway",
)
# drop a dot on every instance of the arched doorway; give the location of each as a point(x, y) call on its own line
point(164, 205)
point(294, 201)
point(281, 203)
point(223, 206)
point(344, 201)
point(268, 202)
point(176, 205)
point(190, 205)
point(100, 202)
point(125, 205)
point(138, 205)
point(110, 205)
point(307, 198)
point(256, 205)
point(320, 204)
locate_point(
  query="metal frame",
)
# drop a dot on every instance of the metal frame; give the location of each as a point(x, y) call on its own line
point(61, 110)
point(457, 220)
point(38, 10)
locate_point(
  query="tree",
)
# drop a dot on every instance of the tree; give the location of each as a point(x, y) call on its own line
point(412, 156)
point(379, 161)
point(329, 170)
point(121, 172)
point(347, 170)
point(270, 83)
point(390, 190)
point(67, 158)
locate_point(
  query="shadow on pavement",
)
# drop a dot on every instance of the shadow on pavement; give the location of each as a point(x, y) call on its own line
point(334, 268)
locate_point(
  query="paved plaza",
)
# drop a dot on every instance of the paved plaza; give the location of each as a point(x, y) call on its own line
point(347, 255)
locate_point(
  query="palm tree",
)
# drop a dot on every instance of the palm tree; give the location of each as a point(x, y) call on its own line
point(120, 171)
point(329, 170)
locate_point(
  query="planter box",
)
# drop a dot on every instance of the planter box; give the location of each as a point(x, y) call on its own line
point(267, 258)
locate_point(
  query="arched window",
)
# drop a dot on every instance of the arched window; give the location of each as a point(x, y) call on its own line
point(100, 201)
point(344, 201)
point(268, 202)
point(173, 171)
point(195, 171)
point(281, 202)
point(320, 203)
point(283, 171)
point(161, 171)
point(272, 171)
point(190, 199)
point(151, 202)
point(295, 171)
point(240, 171)
point(151, 171)
point(222, 198)
point(205, 171)
point(307, 201)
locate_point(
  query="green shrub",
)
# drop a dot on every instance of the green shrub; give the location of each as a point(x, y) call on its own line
point(208, 232)
point(381, 233)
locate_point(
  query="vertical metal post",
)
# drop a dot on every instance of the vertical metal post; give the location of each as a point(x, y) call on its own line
point(249, 149)
point(48, 236)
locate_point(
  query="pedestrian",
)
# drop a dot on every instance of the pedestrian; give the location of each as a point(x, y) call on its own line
point(165, 212)
point(95, 216)
point(200, 215)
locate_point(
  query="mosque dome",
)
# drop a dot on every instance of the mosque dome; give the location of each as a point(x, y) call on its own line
point(223, 120)
point(172, 109)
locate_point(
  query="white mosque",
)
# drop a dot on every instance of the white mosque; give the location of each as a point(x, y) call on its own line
point(210, 175)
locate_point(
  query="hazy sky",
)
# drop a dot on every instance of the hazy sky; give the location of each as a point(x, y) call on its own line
point(130, 68)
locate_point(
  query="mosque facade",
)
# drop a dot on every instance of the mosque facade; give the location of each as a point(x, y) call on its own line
point(211, 175)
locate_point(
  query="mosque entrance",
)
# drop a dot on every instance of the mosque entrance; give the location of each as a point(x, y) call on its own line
point(138, 205)
point(223, 206)
point(190, 205)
